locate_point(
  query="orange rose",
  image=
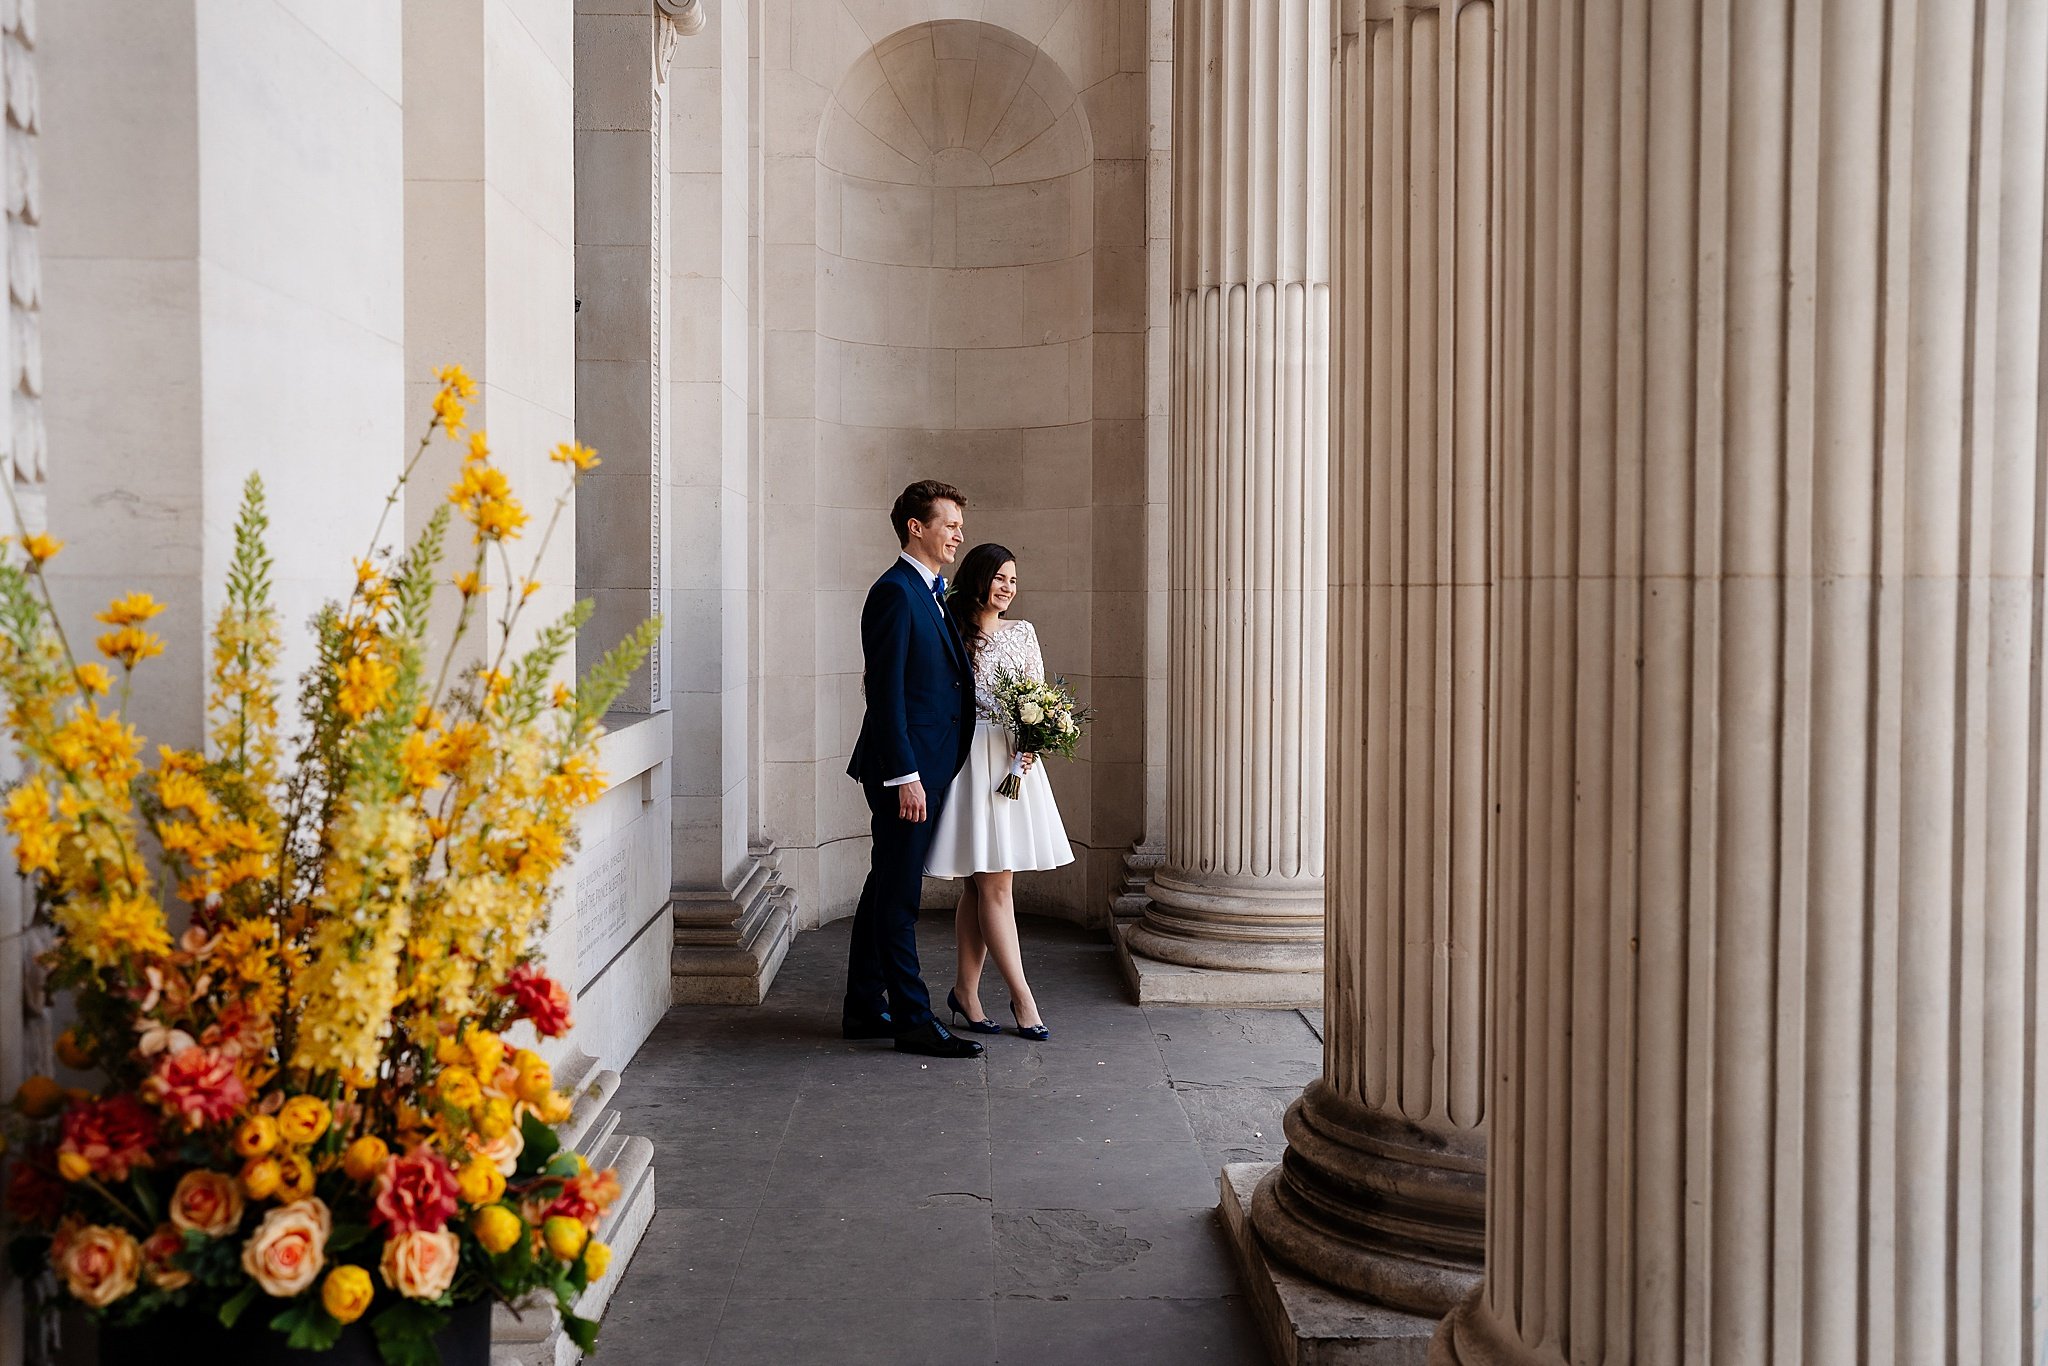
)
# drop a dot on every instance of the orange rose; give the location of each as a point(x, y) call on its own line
point(421, 1265)
point(286, 1252)
point(98, 1265)
point(158, 1249)
point(206, 1202)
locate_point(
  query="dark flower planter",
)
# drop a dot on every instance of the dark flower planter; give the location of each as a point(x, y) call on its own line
point(191, 1339)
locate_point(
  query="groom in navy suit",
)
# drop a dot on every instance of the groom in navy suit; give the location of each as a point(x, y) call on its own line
point(913, 739)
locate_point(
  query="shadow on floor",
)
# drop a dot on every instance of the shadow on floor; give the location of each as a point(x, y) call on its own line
point(841, 1203)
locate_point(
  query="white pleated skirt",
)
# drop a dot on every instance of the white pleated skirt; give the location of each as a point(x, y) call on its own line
point(982, 832)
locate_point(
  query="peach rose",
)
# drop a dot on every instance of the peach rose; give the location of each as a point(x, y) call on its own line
point(98, 1265)
point(421, 1265)
point(505, 1150)
point(206, 1202)
point(288, 1249)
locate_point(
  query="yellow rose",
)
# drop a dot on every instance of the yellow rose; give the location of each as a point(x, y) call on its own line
point(206, 1202)
point(486, 1050)
point(564, 1236)
point(286, 1252)
point(294, 1176)
point(98, 1265)
point(497, 1228)
point(597, 1259)
point(421, 1265)
point(555, 1109)
point(458, 1087)
point(365, 1157)
point(303, 1119)
point(480, 1181)
point(536, 1078)
point(257, 1136)
point(346, 1293)
point(261, 1178)
point(72, 1051)
point(493, 1117)
point(39, 1097)
point(73, 1166)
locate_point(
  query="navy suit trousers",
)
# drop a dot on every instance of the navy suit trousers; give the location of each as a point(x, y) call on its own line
point(881, 967)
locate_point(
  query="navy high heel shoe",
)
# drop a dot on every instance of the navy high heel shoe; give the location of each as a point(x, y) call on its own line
point(977, 1026)
point(1038, 1033)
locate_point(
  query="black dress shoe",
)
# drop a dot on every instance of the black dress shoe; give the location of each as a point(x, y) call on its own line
point(868, 1027)
point(933, 1040)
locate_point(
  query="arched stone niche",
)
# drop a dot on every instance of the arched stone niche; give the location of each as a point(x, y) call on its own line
point(955, 306)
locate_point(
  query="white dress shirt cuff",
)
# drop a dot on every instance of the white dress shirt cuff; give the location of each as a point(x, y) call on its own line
point(901, 782)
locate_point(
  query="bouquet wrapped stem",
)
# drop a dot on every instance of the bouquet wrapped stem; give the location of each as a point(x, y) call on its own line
point(1012, 785)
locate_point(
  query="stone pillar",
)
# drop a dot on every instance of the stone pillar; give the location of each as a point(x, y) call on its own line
point(1767, 970)
point(1381, 1193)
point(25, 1016)
point(1241, 888)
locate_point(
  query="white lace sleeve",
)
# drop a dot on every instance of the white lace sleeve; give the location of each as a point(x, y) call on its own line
point(1035, 660)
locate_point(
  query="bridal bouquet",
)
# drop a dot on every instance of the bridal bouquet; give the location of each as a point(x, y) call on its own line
point(1042, 718)
point(296, 979)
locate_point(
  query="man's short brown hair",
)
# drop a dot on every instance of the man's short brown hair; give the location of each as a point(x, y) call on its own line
point(917, 502)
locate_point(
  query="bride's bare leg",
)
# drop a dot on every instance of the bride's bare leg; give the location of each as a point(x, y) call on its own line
point(999, 933)
point(969, 950)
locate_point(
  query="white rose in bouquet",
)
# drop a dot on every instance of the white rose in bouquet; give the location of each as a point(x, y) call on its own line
point(1030, 713)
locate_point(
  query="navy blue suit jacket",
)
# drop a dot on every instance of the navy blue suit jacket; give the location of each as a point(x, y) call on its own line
point(920, 686)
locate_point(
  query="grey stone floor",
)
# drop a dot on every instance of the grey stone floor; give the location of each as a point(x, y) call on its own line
point(841, 1203)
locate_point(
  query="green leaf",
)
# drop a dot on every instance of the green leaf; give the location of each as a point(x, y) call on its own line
point(308, 1326)
point(564, 1165)
point(232, 1310)
point(346, 1236)
point(542, 1143)
point(146, 1198)
point(581, 1331)
point(405, 1334)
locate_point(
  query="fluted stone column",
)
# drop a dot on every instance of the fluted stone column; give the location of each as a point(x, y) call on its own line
point(1242, 882)
point(1382, 1193)
point(1767, 967)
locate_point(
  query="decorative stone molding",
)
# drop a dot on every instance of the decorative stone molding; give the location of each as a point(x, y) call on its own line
point(686, 17)
point(730, 945)
point(1242, 884)
point(1766, 977)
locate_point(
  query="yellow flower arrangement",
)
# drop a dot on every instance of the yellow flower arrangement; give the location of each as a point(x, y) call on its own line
point(313, 1075)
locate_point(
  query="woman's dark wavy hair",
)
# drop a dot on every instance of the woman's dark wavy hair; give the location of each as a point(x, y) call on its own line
point(968, 594)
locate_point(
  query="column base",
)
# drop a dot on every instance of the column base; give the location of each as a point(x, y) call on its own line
point(729, 945)
point(1153, 982)
point(1230, 925)
point(1376, 1206)
point(1469, 1336)
point(1305, 1323)
point(533, 1336)
point(1128, 899)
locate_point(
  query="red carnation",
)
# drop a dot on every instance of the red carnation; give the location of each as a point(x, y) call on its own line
point(113, 1135)
point(586, 1197)
point(539, 998)
point(198, 1085)
point(35, 1193)
point(415, 1193)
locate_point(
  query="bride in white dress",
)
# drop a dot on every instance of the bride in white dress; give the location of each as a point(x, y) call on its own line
point(982, 836)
